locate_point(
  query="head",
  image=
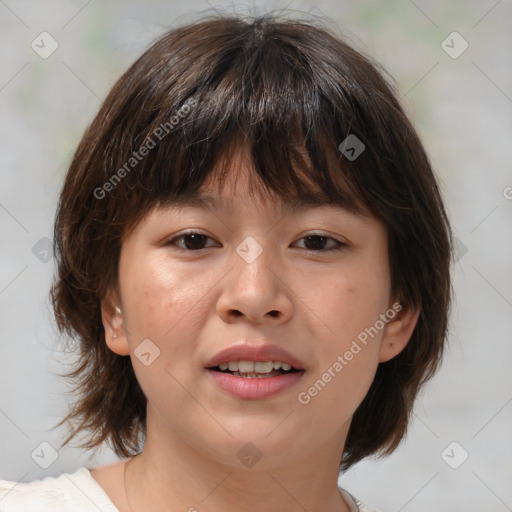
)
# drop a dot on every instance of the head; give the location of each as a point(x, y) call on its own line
point(251, 113)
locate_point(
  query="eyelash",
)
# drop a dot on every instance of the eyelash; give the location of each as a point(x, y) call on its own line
point(339, 245)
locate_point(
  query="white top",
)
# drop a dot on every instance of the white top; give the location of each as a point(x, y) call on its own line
point(79, 492)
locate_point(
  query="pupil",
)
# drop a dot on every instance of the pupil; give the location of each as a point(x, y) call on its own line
point(317, 241)
point(197, 241)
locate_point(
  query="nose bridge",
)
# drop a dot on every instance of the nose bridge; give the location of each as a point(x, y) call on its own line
point(254, 289)
point(253, 263)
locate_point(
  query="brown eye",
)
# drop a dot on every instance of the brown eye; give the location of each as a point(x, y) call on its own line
point(317, 243)
point(194, 242)
point(190, 241)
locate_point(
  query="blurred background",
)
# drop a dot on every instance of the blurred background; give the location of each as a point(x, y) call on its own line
point(453, 64)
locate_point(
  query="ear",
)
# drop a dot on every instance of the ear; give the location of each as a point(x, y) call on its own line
point(398, 331)
point(113, 323)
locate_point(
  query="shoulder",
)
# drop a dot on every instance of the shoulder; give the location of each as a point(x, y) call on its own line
point(70, 491)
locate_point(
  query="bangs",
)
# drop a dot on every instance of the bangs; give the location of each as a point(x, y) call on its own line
point(258, 92)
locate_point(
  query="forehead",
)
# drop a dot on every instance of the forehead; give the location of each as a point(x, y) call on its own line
point(235, 181)
point(218, 202)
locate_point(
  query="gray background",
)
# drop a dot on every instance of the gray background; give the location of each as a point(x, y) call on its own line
point(462, 109)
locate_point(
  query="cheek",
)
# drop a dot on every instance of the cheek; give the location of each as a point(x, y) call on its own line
point(347, 301)
point(162, 303)
point(158, 297)
point(349, 305)
point(347, 350)
point(368, 288)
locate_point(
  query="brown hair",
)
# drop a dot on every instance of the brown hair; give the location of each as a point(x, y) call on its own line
point(293, 90)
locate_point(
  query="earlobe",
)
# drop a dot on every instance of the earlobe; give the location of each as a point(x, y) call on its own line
point(113, 323)
point(398, 332)
point(118, 344)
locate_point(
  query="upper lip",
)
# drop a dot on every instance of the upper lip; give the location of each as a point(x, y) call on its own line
point(250, 351)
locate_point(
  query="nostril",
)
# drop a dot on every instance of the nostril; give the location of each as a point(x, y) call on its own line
point(235, 312)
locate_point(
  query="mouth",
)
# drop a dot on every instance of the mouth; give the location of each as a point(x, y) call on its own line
point(254, 380)
point(255, 369)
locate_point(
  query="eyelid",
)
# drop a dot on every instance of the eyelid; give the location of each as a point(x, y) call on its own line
point(171, 240)
point(339, 239)
point(339, 244)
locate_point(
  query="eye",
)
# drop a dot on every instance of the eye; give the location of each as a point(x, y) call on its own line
point(191, 241)
point(317, 242)
point(194, 241)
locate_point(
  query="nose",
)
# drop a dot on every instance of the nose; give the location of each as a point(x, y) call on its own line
point(256, 292)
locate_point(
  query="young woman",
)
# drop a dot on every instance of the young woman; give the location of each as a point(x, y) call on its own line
point(254, 256)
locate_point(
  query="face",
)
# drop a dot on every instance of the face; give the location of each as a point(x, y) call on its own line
point(308, 287)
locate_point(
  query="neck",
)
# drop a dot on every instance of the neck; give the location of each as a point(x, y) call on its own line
point(171, 472)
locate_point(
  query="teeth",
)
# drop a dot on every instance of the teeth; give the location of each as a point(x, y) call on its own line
point(252, 366)
point(246, 366)
point(263, 367)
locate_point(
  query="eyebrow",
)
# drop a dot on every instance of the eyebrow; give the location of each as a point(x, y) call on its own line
point(206, 201)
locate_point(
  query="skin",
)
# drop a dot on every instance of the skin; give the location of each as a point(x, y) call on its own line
point(192, 304)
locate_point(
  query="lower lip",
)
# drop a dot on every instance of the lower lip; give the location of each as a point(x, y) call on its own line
point(257, 388)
